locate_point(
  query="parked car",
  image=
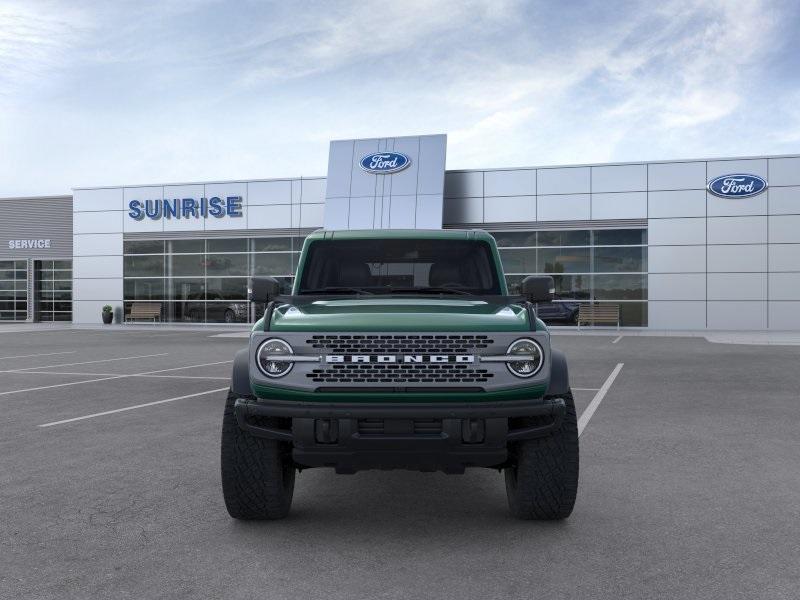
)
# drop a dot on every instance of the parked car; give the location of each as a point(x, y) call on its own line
point(558, 312)
point(216, 310)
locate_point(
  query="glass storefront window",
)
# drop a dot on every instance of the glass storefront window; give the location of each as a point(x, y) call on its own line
point(143, 266)
point(586, 265)
point(620, 237)
point(563, 238)
point(226, 288)
point(272, 244)
point(279, 263)
point(515, 238)
point(186, 246)
point(563, 260)
point(619, 287)
point(612, 260)
point(144, 289)
point(186, 265)
point(232, 245)
point(143, 247)
point(226, 264)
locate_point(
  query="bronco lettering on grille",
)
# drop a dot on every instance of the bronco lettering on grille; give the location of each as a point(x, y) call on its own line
point(399, 358)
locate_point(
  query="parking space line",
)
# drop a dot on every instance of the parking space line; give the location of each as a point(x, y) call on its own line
point(574, 389)
point(115, 374)
point(134, 407)
point(583, 421)
point(86, 362)
point(618, 338)
point(33, 355)
point(47, 387)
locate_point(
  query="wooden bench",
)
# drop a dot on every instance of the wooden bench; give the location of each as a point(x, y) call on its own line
point(144, 310)
point(594, 314)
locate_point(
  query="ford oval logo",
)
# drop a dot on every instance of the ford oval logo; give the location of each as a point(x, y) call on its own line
point(737, 186)
point(384, 163)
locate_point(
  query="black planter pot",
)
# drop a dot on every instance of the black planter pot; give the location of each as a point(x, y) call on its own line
point(108, 317)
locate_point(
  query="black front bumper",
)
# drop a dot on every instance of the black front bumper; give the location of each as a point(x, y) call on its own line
point(428, 437)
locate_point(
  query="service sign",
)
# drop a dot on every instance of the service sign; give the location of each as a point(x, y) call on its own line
point(384, 163)
point(739, 185)
point(29, 244)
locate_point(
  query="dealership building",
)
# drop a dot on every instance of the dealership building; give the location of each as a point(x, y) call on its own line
point(681, 244)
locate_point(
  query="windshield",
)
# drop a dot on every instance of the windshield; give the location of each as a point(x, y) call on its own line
point(386, 266)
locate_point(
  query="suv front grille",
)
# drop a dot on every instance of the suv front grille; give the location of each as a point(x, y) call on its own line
point(400, 373)
point(399, 344)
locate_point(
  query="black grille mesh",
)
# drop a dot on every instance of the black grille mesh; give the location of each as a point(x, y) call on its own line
point(425, 372)
point(400, 344)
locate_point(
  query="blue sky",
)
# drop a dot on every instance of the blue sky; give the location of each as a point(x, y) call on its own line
point(107, 93)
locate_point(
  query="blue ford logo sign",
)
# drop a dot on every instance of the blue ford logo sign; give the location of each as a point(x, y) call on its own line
point(737, 186)
point(384, 163)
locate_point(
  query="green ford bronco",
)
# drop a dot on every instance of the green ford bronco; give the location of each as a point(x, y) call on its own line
point(400, 350)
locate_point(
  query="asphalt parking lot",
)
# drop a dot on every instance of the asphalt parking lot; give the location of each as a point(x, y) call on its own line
point(109, 484)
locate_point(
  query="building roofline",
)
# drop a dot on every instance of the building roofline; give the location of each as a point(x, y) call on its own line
point(519, 168)
point(626, 163)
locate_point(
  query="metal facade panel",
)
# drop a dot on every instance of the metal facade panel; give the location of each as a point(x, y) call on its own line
point(520, 182)
point(676, 232)
point(737, 230)
point(784, 200)
point(784, 286)
point(784, 229)
point(784, 315)
point(36, 219)
point(757, 166)
point(676, 286)
point(737, 315)
point(619, 205)
point(736, 207)
point(676, 176)
point(393, 196)
point(737, 286)
point(269, 192)
point(505, 209)
point(664, 314)
point(569, 180)
point(676, 203)
point(463, 184)
point(733, 258)
point(570, 207)
point(463, 210)
point(784, 257)
point(619, 178)
point(275, 216)
point(784, 171)
point(676, 259)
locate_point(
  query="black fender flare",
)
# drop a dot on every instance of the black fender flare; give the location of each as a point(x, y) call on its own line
point(240, 378)
point(559, 374)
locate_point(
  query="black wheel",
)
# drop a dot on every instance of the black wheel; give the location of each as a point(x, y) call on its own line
point(229, 316)
point(257, 474)
point(542, 479)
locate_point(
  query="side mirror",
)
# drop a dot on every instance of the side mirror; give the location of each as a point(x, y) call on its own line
point(263, 289)
point(538, 289)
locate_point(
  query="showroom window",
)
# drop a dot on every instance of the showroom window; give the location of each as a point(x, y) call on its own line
point(13, 290)
point(204, 280)
point(603, 266)
point(54, 285)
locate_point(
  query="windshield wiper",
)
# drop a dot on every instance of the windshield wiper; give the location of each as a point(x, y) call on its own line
point(431, 290)
point(334, 289)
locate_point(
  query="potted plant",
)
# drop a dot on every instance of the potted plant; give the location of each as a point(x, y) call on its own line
point(108, 314)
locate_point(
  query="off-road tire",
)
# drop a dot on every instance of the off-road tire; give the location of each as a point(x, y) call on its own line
point(542, 479)
point(257, 473)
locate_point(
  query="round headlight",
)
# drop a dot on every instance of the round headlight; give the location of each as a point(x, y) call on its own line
point(270, 367)
point(531, 358)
